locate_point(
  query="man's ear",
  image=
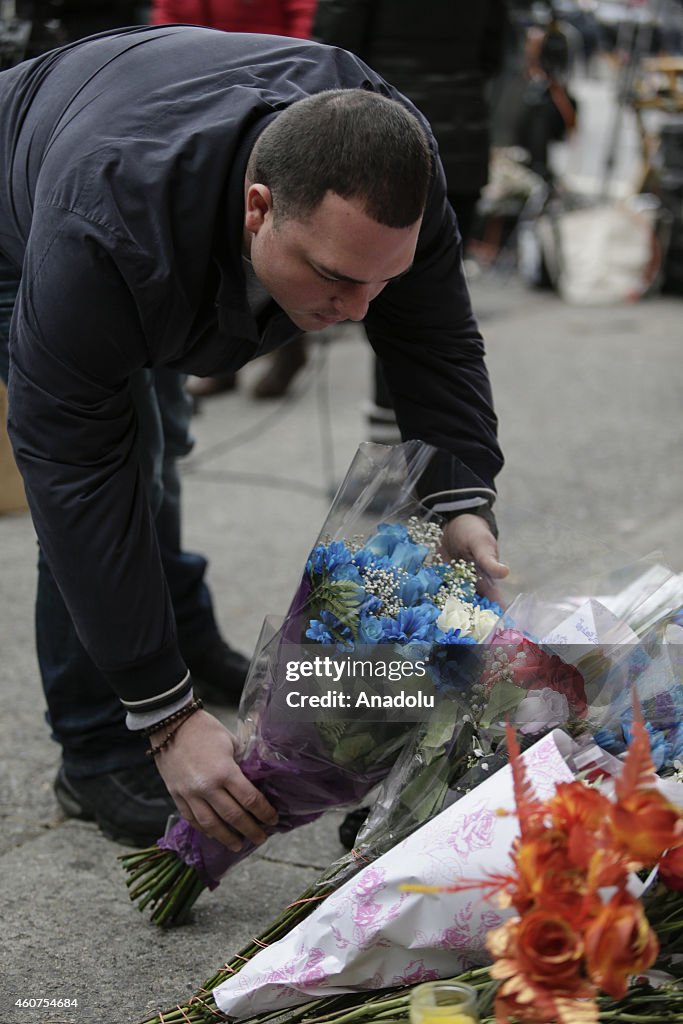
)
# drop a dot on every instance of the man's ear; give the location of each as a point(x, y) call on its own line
point(258, 206)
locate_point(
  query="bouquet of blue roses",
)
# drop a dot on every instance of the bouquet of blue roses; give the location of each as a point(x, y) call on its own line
point(336, 690)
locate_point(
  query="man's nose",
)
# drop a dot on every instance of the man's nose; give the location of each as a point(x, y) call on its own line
point(354, 299)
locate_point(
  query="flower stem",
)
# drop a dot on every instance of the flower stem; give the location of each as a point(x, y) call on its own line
point(161, 879)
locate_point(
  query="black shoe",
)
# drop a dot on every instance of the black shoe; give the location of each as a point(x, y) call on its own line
point(218, 673)
point(351, 826)
point(205, 387)
point(130, 806)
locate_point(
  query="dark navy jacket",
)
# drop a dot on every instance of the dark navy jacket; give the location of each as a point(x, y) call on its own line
point(122, 162)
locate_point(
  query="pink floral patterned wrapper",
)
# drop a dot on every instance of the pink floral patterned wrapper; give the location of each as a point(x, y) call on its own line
point(369, 934)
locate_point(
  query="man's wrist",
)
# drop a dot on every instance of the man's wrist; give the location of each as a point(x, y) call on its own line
point(484, 512)
point(164, 732)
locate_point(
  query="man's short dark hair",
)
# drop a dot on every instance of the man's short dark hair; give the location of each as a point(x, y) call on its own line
point(358, 144)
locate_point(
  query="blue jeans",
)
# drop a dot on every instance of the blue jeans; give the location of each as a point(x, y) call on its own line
point(84, 714)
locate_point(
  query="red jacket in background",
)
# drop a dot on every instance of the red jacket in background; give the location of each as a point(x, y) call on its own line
point(276, 17)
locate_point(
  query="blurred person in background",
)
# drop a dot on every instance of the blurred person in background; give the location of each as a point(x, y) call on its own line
point(275, 17)
point(445, 62)
point(55, 22)
point(547, 111)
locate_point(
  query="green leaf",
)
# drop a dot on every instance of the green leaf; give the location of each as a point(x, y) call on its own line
point(342, 598)
point(352, 748)
point(504, 698)
point(440, 727)
point(424, 795)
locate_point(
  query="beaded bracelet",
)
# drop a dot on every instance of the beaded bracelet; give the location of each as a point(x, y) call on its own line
point(186, 709)
point(180, 716)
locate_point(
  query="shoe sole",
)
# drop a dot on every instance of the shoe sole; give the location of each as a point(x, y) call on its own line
point(125, 839)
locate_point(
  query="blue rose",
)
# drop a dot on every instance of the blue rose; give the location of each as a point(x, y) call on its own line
point(413, 589)
point(347, 571)
point(431, 579)
point(409, 556)
point(385, 540)
point(370, 630)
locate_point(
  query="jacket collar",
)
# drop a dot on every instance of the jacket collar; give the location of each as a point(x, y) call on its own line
point(234, 315)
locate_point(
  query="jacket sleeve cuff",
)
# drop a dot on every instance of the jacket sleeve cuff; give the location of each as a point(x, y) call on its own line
point(450, 488)
point(451, 504)
point(445, 472)
point(154, 682)
point(161, 701)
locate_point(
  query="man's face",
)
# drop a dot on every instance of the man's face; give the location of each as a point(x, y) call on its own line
point(328, 266)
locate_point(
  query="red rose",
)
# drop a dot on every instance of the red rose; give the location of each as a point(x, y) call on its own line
point(527, 666)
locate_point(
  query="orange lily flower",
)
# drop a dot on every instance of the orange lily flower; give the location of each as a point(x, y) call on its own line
point(646, 823)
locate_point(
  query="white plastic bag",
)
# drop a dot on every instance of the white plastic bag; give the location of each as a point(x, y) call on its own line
point(602, 254)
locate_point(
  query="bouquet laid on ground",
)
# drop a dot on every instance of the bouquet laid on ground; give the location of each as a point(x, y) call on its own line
point(584, 920)
point(572, 842)
point(335, 691)
point(447, 761)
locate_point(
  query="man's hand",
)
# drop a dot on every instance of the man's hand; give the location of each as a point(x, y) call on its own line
point(201, 774)
point(468, 536)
